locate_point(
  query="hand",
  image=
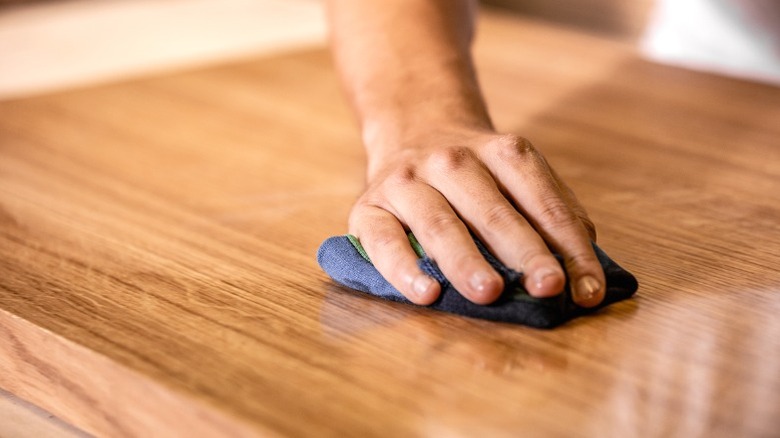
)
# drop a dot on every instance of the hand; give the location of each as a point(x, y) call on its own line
point(441, 186)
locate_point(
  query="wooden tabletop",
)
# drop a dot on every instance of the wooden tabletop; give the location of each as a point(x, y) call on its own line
point(157, 270)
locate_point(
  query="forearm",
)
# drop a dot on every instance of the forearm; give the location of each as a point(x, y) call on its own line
point(407, 68)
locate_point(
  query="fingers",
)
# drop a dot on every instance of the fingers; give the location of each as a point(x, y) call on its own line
point(507, 195)
point(471, 190)
point(386, 243)
point(447, 240)
point(529, 182)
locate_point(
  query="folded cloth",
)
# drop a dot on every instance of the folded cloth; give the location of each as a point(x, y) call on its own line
point(344, 259)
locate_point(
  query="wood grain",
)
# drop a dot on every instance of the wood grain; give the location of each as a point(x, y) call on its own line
point(157, 272)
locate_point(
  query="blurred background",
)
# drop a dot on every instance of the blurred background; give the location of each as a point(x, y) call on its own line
point(47, 45)
point(54, 44)
point(738, 38)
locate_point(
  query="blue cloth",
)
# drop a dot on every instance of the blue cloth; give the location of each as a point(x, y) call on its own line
point(343, 262)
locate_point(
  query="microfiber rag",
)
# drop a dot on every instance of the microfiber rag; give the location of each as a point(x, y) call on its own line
point(344, 259)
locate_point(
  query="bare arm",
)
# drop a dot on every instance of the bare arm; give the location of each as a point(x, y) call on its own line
point(437, 167)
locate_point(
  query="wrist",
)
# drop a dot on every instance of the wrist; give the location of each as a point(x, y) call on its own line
point(387, 136)
point(439, 95)
point(425, 117)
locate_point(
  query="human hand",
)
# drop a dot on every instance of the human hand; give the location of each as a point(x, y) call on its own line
point(499, 187)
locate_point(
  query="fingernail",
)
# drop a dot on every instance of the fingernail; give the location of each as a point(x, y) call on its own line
point(422, 285)
point(586, 288)
point(541, 275)
point(480, 280)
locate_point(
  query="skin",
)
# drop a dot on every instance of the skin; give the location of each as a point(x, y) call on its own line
point(437, 167)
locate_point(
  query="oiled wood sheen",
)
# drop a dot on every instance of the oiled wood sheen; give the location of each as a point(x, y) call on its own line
point(157, 272)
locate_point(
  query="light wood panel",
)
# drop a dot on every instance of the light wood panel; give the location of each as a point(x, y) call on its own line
point(157, 270)
point(20, 419)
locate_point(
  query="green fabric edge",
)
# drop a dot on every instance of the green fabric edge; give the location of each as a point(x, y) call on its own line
point(418, 249)
point(356, 243)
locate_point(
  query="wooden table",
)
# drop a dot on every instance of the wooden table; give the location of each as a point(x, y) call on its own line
point(157, 272)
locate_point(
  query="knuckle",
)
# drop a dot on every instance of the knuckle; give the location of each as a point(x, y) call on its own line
point(363, 204)
point(363, 209)
point(439, 224)
point(383, 243)
point(364, 216)
point(499, 218)
point(513, 147)
point(403, 175)
point(466, 262)
point(451, 159)
point(534, 256)
point(582, 261)
point(555, 214)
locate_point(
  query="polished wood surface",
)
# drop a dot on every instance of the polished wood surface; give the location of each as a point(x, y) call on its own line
point(157, 272)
